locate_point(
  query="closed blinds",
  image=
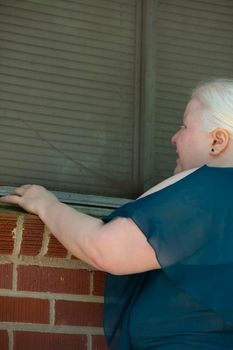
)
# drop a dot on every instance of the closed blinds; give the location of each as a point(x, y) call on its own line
point(67, 91)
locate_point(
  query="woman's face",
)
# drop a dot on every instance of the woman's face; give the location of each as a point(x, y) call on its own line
point(193, 143)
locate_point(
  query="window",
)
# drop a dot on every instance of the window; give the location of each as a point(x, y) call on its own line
point(67, 113)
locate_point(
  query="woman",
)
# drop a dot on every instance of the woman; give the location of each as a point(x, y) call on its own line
point(169, 254)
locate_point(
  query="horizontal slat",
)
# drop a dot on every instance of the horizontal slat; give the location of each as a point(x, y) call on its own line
point(63, 166)
point(57, 161)
point(190, 31)
point(61, 15)
point(50, 104)
point(176, 39)
point(130, 3)
point(85, 87)
point(126, 6)
point(57, 73)
point(165, 150)
point(68, 26)
point(170, 82)
point(193, 77)
point(40, 112)
point(77, 39)
point(74, 141)
point(187, 52)
point(224, 3)
point(42, 174)
point(84, 120)
point(68, 150)
point(75, 98)
point(60, 172)
point(193, 64)
point(79, 7)
point(199, 9)
point(93, 129)
point(66, 50)
point(20, 171)
point(71, 32)
point(194, 21)
point(165, 102)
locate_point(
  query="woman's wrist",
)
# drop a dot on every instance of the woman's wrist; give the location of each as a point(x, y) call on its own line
point(48, 208)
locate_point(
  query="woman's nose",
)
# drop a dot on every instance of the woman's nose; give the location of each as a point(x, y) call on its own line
point(174, 138)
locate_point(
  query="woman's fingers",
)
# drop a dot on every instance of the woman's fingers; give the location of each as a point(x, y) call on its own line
point(29, 197)
point(16, 196)
point(14, 199)
point(21, 190)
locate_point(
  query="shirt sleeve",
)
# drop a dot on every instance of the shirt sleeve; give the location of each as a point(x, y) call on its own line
point(189, 225)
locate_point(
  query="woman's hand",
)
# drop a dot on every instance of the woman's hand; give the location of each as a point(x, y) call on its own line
point(32, 198)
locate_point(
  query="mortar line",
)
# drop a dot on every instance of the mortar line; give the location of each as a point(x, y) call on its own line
point(14, 277)
point(45, 243)
point(17, 234)
point(11, 339)
point(50, 296)
point(52, 312)
point(47, 328)
point(45, 261)
point(91, 282)
point(89, 342)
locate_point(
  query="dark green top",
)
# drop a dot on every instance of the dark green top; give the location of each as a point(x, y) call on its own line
point(188, 304)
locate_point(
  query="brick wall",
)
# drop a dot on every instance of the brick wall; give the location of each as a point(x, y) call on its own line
point(48, 299)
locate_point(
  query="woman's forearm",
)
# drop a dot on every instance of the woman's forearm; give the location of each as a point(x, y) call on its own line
point(78, 232)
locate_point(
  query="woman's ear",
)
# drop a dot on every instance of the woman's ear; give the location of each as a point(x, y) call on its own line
point(219, 141)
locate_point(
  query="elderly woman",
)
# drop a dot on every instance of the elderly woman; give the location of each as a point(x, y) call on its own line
point(169, 253)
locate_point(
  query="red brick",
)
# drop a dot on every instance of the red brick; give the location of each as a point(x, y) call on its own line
point(50, 279)
point(7, 225)
point(78, 313)
point(48, 341)
point(4, 341)
point(6, 273)
point(24, 310)
point(98, 282)
point(32, 235)
point(99, 343)
point(56, 249)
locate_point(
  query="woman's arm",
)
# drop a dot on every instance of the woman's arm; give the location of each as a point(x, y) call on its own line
point(118, 247)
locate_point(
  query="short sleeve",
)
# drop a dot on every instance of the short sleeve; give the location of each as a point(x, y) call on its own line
point(189, 225)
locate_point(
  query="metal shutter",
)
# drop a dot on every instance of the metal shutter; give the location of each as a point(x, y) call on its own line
point(67, 90)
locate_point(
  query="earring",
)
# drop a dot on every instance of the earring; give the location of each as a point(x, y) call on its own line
point(212, 149)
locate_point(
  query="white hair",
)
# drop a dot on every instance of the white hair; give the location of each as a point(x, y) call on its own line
point(216, 96)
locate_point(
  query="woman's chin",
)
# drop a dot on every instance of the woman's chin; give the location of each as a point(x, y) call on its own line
point(177, 169)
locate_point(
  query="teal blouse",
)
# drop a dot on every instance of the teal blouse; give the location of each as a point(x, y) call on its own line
point(188, 304)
